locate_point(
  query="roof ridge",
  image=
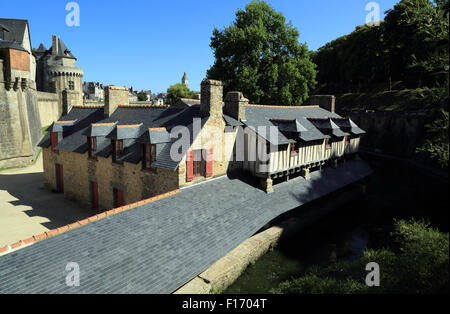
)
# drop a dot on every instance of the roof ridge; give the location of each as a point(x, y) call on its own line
point(158, 129)
point(275, 106)
point(87, 107)
point(143, 106)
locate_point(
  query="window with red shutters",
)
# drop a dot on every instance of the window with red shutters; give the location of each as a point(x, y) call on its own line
point(117, 150)
point(148, 156)
point(94, 195)
point(119, 198)
point(54, 141)
point(347, 140)
point(190, 166)
point(209, 163)
point(327, 143)
point(197, 163)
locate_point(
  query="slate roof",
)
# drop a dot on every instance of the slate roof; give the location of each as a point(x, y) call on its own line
point(268, 116)
point(11, 45)
point(16, 30)
point(141, 119)
point(188, 102)
point(158, 247)
point(347, 125)
point(137, 125)
point(327, 126)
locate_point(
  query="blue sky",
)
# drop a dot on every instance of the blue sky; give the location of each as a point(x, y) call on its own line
point(149, 44)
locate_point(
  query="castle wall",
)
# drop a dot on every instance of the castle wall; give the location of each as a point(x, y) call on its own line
point(20, 127)
point(49, 107)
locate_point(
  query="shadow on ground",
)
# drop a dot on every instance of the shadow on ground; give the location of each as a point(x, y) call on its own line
point(29, 191)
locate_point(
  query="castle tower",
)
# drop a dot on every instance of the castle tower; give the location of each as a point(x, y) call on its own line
point(59, 73)
point(185, 80)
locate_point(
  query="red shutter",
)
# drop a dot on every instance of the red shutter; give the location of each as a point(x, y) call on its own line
point(120, 198)
point(209, 163)
point(94, 187)
point(190, 166)
point(54, 140)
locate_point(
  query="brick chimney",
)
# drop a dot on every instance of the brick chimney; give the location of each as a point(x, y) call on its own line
point(212, 98)
point(235, 105)
point(327, 102)
point(115, 96)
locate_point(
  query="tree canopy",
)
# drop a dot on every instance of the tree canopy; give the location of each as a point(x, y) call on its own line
point(260, 55)
point(177, 91)
point(142, 96)
point(410, 47)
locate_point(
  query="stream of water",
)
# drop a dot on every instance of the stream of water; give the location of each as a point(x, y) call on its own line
point(394, 191)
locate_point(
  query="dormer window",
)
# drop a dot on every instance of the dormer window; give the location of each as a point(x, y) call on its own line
point(54, 141)
point(117, 150)
point(92, 147)
point(149, 156)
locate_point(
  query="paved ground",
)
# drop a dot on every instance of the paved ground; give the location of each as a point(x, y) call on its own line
point(27, 208)
point(158, 247)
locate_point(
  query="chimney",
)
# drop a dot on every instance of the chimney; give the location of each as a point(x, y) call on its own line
point(211, 98)
point(235, 105)
point(115, 96)
point(327, 102)
point(55, 45)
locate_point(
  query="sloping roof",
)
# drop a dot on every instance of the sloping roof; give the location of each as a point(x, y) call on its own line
point(268, 116)
point(131, 124)
point(349, 126)
point(187, 102)
point(16, 29)
point(158, 247)
point(137, 125)
point(328, 126)
point(63, 51)
point(11, 45)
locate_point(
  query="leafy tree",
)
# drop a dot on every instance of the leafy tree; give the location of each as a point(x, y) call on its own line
point(410, 46)
point(438, 145)
point(260, 55)
point(177, 91)
point(142, 96)
point(417, 34)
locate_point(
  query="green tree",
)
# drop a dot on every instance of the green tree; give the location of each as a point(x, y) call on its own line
point(260, 55)
point(177, 91)
point(438, 144)
point(142, 96)
point(417, 33)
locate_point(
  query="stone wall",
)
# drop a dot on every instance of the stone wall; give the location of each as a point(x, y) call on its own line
point(49, 108)
point(79, 171)
point(393, 133)
point(20, 126)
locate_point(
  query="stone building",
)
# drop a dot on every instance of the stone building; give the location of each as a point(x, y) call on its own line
point(57, 72)
point(116, 154)
point(20, 126)
point(36, 88)
point(93, 91)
